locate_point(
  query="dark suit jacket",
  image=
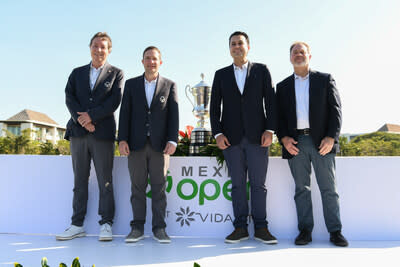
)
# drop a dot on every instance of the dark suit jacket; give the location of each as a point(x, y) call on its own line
point(100, 103)
point(248, 114)
point(136, 118)
point(325, 115)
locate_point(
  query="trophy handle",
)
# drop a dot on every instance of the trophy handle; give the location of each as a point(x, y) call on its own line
point(188, 88)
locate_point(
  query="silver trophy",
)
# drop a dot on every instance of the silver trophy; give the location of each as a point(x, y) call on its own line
point(201, 134)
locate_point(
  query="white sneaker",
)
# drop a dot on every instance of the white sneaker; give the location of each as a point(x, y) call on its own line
point(105, 232)
point(72, 232)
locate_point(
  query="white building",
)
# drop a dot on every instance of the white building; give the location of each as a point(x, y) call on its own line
point(43, 128)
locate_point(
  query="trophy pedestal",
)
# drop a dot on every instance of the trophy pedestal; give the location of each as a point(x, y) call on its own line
point(199, 138)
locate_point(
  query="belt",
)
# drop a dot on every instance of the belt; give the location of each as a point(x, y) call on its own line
point(303, 131)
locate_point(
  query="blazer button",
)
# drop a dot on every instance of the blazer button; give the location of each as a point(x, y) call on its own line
point(147, 124)
point(149, 112)
point(91, 99)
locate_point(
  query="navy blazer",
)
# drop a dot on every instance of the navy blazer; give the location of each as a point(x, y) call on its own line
point(137, 119)
point(239, 115)
point(100, 103)
point(325, 115)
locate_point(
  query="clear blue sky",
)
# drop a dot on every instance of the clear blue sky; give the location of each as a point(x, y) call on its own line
point(356, 41)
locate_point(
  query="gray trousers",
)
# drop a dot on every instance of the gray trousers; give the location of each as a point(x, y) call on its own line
point(251, 159)
point(148, 165)
point(83, 150)
point(324, 167)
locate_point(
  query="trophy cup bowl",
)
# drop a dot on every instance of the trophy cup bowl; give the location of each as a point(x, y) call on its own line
point(201, 134)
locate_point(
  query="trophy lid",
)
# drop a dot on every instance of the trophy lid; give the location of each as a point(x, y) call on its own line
point(202, 83)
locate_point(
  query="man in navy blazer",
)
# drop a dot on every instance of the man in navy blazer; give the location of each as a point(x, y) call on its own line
point(93, 93)
point(310, 119)
point(243, 119)
point(148, 135)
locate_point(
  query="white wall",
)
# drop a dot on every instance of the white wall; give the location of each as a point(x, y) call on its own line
point(36, 197)
point(2, 133)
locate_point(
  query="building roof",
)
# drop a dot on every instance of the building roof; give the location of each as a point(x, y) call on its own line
point(394, 128)
point(30, 115)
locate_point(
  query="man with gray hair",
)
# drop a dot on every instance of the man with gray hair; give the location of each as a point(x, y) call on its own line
point(309, 123)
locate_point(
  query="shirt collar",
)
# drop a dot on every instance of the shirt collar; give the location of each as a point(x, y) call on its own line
point(301, 78)
point(244, 66)
point(151, 82)
point(93, 68)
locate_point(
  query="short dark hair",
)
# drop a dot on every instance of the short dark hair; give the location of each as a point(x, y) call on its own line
point(102, 36)
point(152, 48)
point(300, 43)
point(239, 33)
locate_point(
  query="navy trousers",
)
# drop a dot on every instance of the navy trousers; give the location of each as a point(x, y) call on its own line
point(250, 161)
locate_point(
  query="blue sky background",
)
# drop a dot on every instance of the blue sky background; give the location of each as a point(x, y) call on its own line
point(356, 41)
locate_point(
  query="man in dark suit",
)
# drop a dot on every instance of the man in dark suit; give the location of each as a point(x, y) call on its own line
point(148, 135)
point(93, 93)
point(309, 125)
point(243, 130)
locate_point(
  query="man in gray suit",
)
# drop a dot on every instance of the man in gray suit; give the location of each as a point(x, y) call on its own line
point(148, 135)
point(93, 93)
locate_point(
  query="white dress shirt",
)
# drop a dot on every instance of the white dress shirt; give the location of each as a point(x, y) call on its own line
point(93, 75)
point(149, 88)
point(302, 87)
point(240, 75)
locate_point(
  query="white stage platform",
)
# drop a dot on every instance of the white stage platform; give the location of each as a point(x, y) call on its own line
point(208, 252)
point(36, 198)
point(36, 203)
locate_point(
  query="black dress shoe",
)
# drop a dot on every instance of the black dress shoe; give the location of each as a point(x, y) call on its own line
point(338, 239)
point(303, 238)
point(264, 236)
point(237, 235)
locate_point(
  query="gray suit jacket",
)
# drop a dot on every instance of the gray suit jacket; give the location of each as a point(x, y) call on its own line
point(100, 103)
point(137, 119)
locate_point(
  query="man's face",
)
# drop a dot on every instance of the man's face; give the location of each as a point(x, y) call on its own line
point(99, 50)
point(238, 47)
point(151, 61)
point(299, 56)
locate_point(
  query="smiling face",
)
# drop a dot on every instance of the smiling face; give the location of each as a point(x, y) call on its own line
point(239, 48)
point(99, 51)
point(300, 56)
point(151, 62)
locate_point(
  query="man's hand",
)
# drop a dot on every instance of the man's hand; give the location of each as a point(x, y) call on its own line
point(124, 148)
point(290, 144)
point(326, 145)
point(90, 127)
point(169, 149)
point(222, 142)
point(84, 118)
point(266, 139)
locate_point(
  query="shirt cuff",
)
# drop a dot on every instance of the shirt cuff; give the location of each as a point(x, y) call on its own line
point(218, 134)
point(172, 142)
point(269, 131)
